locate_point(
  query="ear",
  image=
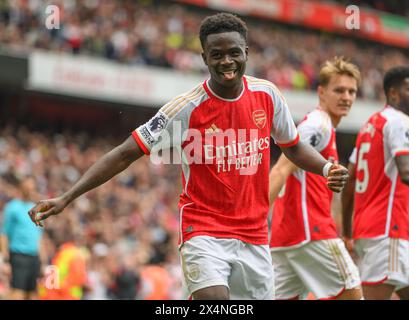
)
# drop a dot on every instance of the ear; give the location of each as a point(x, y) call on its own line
point(204, 58)
point(246, 50)
point(320, 91)
point(393, 95)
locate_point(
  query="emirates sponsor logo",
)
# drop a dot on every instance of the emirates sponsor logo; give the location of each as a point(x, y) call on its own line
point(260, 118)
point(227, 150)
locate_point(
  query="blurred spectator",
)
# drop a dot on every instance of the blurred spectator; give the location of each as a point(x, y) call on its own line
point(21, 243)
point(126, 224)
point(125, 282)
point(68, 275)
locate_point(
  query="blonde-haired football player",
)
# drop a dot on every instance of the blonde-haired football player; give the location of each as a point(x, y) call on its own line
point(307, 254)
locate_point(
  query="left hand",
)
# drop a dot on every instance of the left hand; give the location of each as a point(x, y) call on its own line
point(337, 178)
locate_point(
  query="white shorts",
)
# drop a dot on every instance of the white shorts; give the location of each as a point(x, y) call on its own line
point(322, 267)
point(384, 261)
point(245, 269)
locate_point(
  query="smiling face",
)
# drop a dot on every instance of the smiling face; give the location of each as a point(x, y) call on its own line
point(225, 55)
point(337, 96)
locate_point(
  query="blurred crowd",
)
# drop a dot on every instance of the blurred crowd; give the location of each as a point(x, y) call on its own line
point(164, 34)
point(127, 228)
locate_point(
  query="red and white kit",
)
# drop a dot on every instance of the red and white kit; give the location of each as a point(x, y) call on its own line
point(381, 213)
point(218, 198)
point(225, 190)
point(302, 211)
point(381, 199)
point(305, 250)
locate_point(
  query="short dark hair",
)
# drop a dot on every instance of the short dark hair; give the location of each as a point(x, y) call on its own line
point(219, 23)
point(394, 78)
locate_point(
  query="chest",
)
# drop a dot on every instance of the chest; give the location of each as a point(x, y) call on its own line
point(330, 152)
point(252, 112)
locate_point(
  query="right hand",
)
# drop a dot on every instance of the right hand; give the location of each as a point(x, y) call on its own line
point(46, 208)
point(337, 178)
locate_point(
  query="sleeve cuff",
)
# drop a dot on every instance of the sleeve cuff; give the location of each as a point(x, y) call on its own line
point(290, 144)
point(140, 142)
point(401, 152)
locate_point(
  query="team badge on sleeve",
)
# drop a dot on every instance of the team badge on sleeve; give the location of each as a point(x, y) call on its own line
point(315, 139)
point(407, 134)
point(157, 123)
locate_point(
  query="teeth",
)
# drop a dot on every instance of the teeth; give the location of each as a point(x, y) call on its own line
point(229, 74)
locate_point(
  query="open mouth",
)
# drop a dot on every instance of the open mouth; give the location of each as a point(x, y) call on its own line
point(229, 74)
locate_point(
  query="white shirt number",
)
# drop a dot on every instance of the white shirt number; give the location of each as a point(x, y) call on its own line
point(361, 186)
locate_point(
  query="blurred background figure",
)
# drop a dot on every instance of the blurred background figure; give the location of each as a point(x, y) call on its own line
point(125, 280)
point(66, 277)
point(21, 244)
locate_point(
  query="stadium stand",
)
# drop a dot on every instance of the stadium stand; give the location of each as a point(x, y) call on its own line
point(131, 219)
point(162, 33)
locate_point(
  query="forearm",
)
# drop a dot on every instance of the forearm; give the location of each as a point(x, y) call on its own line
point(305, 157)
point(402, 163)
point(100, 172)
point(105, 168)
point(278, 176)
point(277, 181)
point(347, 200)
point(347, 221)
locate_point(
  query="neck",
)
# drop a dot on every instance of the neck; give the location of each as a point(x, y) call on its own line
point(226, 92)
point(397, 107)
point(335, 120)
point(25, 197)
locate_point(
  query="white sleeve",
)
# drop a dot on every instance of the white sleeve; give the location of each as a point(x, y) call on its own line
point(314, 134)
point(283, 129)
point(161, 132)
point(397, 136)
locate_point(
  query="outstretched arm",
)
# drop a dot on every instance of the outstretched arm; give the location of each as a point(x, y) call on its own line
point(307, 158)
point(112, 163)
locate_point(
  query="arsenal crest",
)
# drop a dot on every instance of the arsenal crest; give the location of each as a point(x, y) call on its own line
point(260, 118)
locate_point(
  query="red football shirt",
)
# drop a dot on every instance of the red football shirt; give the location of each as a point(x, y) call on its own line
point(381, 199)
point(225, 156)
point(302, 211)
